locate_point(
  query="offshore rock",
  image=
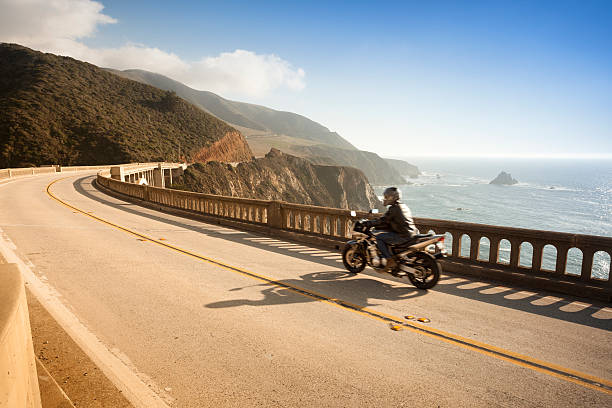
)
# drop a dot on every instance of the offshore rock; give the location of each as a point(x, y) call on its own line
point(279, 176)
point(503, 178)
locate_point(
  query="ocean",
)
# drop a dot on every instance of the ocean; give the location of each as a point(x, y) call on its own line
point(562, 195)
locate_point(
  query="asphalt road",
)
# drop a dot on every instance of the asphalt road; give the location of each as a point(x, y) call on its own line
point(210, 316)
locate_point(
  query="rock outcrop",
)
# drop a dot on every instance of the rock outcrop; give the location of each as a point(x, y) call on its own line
point(230, 148)
point(279, 176)
point(503, 178)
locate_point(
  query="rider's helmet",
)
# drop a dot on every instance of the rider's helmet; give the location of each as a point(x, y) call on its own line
point(391, 195)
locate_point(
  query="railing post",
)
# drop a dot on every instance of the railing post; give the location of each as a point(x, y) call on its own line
point(117, 173)
point(275, 219)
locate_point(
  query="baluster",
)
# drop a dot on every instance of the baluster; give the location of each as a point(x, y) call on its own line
point(494, 250)
point(456, 248)
point(587, 263)
point(334, 229)
point(474, 247)
point(343, 228)
point(536, 262)
point(515, 252)
point(561, 259)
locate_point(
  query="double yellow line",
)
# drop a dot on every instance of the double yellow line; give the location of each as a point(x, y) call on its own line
point(557, 371)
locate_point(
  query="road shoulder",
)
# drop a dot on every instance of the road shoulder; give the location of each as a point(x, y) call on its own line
point(66, 366)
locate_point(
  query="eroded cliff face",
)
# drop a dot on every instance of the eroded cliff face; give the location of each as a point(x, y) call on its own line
point(279, 176)
point(231, 148)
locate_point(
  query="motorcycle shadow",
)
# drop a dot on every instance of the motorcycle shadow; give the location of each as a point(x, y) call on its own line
point(358, 290)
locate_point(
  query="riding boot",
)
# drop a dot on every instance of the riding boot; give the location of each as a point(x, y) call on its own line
point(391, 265)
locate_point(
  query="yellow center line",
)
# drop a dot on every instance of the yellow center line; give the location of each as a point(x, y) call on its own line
point(541, 366)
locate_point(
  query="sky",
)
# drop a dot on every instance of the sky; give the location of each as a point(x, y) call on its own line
point(409, 78)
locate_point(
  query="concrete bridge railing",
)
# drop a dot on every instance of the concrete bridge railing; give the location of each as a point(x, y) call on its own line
point(18, 377)
point(503, 253)
point(6, 174)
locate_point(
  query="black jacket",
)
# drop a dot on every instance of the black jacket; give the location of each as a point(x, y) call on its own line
point(398, 218)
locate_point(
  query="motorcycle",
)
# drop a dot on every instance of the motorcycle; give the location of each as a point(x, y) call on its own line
point(417, 259)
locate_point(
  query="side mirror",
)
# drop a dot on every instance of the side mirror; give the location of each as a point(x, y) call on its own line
point(353, 214)
point(374, 211)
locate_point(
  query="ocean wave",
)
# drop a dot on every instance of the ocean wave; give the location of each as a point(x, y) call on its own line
point(551, 187)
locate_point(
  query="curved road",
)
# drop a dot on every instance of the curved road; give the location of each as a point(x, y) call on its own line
point(210, 316)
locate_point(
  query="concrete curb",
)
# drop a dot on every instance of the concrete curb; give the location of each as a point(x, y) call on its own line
point(18, 377)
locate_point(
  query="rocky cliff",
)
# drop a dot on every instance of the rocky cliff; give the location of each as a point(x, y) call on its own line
point(279, 176)
point(230, 148)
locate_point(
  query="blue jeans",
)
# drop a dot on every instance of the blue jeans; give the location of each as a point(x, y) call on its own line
point(386, 238)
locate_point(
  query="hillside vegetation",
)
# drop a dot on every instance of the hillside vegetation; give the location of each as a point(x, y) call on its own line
point(57, 110)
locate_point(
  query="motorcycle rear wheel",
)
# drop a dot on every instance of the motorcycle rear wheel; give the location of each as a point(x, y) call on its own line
point(353, 259)
point(428, 264)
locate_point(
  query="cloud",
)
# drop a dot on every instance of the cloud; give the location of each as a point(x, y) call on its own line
point(245, 70)
point(59, 26)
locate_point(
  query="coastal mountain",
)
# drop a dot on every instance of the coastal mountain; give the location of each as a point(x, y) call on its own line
point(404, 168)
point(266, 128)
point(279, 176)
point(252, 119)
point(378, 170)
point(58, 110)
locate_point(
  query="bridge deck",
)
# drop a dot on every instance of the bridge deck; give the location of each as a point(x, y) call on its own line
point(215, 316)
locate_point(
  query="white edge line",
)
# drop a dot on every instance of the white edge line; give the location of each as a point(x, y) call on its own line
point(134, 389)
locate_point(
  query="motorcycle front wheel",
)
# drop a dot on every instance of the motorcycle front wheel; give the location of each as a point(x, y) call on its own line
point(353, 259)
point(429, 268)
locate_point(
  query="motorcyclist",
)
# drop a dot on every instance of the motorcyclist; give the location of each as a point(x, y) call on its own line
point(397, 224)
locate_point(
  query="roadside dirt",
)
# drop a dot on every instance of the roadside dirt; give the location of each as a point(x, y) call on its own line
point(61, 361)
